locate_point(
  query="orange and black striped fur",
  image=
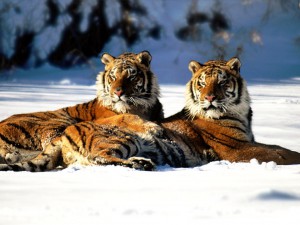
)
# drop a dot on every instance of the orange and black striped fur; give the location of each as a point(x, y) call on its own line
point(215, 124)
point(126, 86)
point(218, 109)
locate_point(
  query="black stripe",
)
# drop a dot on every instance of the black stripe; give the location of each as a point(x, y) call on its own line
point(78, 129)
point(125, 146)
point(233, 92)
point(81, 135)
point(15, 167)
point(179, 155)
point(149, 76)
point(117, 152)
point(159, 147)
point(85, 125)
point(67, 111)
point(62, 113)
point(235, 139)
point(33, 167)
point(31, 116)
point(132, 143)
point(14, 144)
point(232, 118)
point(51, 114)
point(237, 128)
point(93, 106)
point(128, 149)
point(88, 148)
point(212, 137)
point(167, 155)
point(240, 88)
point(89, 126)
point(191, 91)
point(103, 77)
point(72, 142)
point(23, 130)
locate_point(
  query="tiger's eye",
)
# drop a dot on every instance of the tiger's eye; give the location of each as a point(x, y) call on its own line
point(201, 83)
point(132, 71)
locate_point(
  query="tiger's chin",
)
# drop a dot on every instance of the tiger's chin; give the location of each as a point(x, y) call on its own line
point(206, 113)
point(121, 107)
point(212, 113)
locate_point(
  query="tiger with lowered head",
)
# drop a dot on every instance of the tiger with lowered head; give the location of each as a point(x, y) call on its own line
point(126, 86)
point(215, 124)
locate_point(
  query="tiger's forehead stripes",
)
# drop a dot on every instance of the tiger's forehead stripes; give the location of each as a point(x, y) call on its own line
point(209, 72)
point(123, 65)
point(221, 66)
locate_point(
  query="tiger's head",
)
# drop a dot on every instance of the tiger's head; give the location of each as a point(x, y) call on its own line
point(127, 85)
point(216, 90)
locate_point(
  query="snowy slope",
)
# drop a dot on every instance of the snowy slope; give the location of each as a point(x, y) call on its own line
point(217, 193)
point(266, 32)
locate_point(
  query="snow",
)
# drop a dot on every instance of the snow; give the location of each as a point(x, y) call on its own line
point(217, 193)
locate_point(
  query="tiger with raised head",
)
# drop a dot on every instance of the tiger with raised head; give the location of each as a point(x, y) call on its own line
point(218, 109)
point(215, 124)
point(126, 86)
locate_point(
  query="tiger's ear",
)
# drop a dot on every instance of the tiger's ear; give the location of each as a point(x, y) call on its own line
point(144, 58)
point(107, 58)
point(234, 64)
point(194, 66)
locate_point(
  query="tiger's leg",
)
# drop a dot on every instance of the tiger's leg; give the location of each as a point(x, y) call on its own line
point(110, 157)
point(45, 161)
point(24, 136)
point(266, 153)
point(14, 146)
point(88, 143)
point(262, 152)
point(133, 123)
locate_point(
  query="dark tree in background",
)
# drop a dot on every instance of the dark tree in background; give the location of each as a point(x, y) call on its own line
point(75, 45)
point(219, 32)
point(83, 27)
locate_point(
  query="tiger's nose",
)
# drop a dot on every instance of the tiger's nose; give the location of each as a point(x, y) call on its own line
point(210, 98)
point(119, 91)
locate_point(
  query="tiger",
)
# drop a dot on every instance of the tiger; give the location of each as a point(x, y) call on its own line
point(127, 85)
point(215, 124)
point(218, 109)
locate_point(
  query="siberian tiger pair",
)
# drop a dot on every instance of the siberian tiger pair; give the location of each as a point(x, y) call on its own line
point(116, 128)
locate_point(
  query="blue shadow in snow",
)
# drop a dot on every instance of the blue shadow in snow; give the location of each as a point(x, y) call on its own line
point(277, 195)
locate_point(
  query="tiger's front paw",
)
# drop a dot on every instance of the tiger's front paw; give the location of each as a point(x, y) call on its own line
point(13, 157)
point(141, 163)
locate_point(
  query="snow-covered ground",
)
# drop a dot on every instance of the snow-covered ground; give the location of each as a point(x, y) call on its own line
point(217, 193)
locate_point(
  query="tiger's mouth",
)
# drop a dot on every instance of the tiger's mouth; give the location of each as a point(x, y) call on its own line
point(210, 107)
point(123, 100)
